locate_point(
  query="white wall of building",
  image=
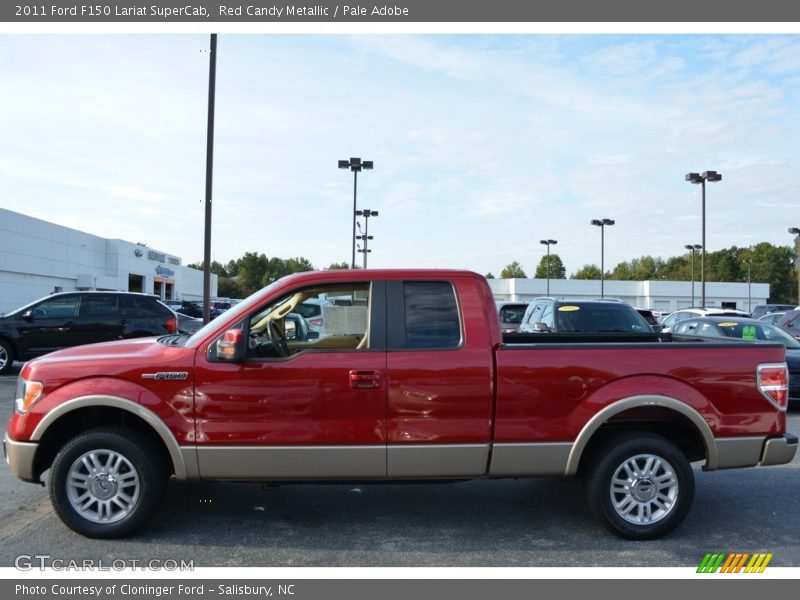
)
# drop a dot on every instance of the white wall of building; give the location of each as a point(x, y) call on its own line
point(38, 258)
point(666, 296)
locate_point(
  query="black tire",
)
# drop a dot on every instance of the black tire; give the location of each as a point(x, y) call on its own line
point(6, 357)
point(125, 478)
point(654, 489)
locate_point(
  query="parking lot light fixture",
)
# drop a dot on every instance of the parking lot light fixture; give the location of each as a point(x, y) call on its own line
point(602, 224)
point(701, 179)
point(355, 165)
point(548, 243)
point(796, 232)
point(693, 248)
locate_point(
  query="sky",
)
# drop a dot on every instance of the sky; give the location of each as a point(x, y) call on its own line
point(483, 145)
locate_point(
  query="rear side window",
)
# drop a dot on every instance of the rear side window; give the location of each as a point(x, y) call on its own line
point(146, 306)
point(430, 312)
point(99, 306)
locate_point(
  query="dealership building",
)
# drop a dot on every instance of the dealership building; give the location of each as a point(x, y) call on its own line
point(38, 258)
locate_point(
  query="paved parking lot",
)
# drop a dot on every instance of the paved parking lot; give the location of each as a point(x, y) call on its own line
point(510, 523)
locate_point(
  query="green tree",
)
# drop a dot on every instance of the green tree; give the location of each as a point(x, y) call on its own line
point(679, 268)
point(253, 268)
point(489, 275)
point(232, 268)
point(229, 288)
point(557, 270)
point(773, 265)
point(513, 271)
point(586, 272)
point(216, 268)
point(638, 269)
point(336, 266)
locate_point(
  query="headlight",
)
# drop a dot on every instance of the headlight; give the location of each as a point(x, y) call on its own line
point(27, 393)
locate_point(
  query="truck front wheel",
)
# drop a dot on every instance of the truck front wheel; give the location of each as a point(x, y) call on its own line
point(639, 485)
point(107, 482)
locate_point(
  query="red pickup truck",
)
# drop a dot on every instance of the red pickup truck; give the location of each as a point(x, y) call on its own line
point(409, 378)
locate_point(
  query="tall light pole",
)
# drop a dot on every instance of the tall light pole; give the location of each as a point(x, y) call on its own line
point(366, 213)
point(602, 223)
point(547, 264)
point(796, 232)
point(212, 86)
point(355, 165)
point(701, 179)
point(693, 248)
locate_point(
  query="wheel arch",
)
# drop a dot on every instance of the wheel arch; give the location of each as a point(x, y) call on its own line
point(86, 412)
point(677, 418)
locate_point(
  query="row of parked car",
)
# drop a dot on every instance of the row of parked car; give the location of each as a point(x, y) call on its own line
point(769, 322)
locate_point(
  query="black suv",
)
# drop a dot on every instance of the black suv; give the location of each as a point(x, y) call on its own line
point(75, 318)
point(581, 315)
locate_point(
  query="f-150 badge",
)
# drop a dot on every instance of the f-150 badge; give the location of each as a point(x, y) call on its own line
point(170, 375)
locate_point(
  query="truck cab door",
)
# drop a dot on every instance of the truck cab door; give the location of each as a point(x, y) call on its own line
point(315, 409)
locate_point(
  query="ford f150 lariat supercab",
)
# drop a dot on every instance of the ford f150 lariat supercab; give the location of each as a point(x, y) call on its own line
point(408, 379)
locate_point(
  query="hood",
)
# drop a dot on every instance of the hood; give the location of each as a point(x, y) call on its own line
point(124, 358)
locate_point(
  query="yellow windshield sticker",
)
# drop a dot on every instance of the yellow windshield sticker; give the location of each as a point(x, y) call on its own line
point(568, 308)
point(749, 332)
point(727, 324)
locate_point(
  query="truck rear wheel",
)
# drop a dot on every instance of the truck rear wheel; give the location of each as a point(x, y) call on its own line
point(107, 482)
point(640, 486)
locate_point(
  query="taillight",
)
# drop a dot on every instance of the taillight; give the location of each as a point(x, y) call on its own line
point(316, 322)
point(172, 325)
point(773, 383)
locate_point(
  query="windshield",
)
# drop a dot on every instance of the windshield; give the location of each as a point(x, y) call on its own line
point(512, 313)
point(242, 307)
point(591, 317)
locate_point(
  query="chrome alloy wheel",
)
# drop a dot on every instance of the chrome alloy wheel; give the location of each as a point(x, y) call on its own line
point(644, 489)
point(4, 357)
point(103, 486)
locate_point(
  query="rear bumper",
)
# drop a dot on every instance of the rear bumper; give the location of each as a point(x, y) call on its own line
point(780, 450)
point(20, 456)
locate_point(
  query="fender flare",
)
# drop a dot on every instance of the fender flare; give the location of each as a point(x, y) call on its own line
point(615, 408)
point(163, 432)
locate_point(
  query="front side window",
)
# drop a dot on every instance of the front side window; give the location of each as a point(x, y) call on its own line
point(334, 317)
point(64, 307)
point(547, 316)
point(536, 315)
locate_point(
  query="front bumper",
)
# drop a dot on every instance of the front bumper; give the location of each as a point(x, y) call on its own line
point(780, 450)
point(20, 457)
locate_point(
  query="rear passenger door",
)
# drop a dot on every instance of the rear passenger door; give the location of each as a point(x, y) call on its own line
point(99, 319)
point(439, 380)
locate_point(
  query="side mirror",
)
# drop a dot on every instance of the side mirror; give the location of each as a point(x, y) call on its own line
point(540, 327)
point(28, 316)
point(231, 346)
